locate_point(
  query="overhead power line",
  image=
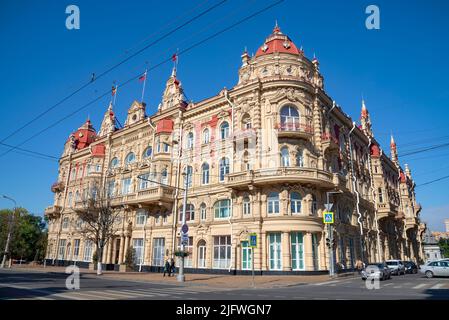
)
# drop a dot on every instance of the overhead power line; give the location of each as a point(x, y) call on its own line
point(102, 74)
point(149, 69)
point(425, 149)
point(31, 153)
point(432, 181)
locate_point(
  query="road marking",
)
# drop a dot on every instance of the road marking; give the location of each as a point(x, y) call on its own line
point(397, 287)
point(327, 282)
point(90, 296)
point(145, 294)
point(115, 294)
point(437, 286)
point(388, 284)
point(419, 286)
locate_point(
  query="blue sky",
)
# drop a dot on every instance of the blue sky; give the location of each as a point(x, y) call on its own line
point(401, 70)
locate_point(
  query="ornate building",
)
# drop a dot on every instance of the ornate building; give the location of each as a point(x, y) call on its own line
point(260, 158)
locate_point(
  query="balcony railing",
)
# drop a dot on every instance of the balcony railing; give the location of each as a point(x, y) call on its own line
point(52, 211)
point(294, 128)
point(149, 196)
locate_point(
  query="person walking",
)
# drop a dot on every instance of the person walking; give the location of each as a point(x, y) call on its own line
point(172, 266)
point(167, 268)
point(359, 266)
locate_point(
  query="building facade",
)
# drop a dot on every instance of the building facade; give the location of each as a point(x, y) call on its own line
point(263, 157)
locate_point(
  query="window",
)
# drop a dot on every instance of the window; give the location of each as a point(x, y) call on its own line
point(203, 212)
point(289, 118)
point(224, 168)
point(148, 152)
point(273, 202)
point(205, 173)
point(190, 213)
point(189, 248)
point(110, 188)
point(224, 130)
point(76, 249)
point(246, 122)
point(188, 176)
point(297, 248)
point(222, 252)
point(189, 140)
point(381, 198)
point(69, 200)
point(97, 168)
point(246, 206)
point(275, 253)
point(206, 136)
point(314, 205)
point(164, 176)
point(88, 244)
point(77, 196)
point(114, 163)
point(130, 158)
point(94, 193)
point(144, 183)
point(126, 186)
point(295, 202)
point(165, 147)
point(246, 256)
point(285, 159)
point(202, 254)
point(141, 217)
point(158, 251)
point(299, 158)
point(222, 209)
point(79, 223)
point(73, 174)
point(65, 223)
point(138, 247)
point(61, 249)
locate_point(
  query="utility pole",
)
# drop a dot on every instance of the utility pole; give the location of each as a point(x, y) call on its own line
point(181, 277)
point(331, 235)
point(10, 227)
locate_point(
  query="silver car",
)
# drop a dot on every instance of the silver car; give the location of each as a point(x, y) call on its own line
point(396, 266)
point(438, 268)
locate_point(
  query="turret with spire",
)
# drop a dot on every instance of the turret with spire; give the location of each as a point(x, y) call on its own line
point(173, 93)
point(108, 123)
point(394, 151)
point(365, 120)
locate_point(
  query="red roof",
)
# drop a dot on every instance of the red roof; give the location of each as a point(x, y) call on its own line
point(277, 42)
point(85, 135)
point(165, 125)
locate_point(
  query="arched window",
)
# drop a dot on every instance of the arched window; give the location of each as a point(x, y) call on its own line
point(295, 202)
point(69, 199)
point(273, 202)
point(114, 163)
point(206, 136)
point(222, 209)
point(203, 212)
point(224, 168)
point(285, 159)
point(130, 158)
point(148, 152)
point(224, 130)
point(205, 173)
point(190, 212)
point(65, 223)
point(246, 205)
point(189, 140)
point(289, 117)
point(299, 158)
point(188, 177)
point(314, 205)
point(164, 176)
point(246, 122)
point(201, 254)
point(77, 196)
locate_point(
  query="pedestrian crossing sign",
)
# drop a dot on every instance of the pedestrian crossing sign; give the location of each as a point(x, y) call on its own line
point(328, 217)
point(253, 240)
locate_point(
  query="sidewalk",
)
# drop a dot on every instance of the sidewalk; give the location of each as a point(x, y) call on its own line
point(208, 280)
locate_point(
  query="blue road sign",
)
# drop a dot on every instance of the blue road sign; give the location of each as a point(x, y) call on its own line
point(253, 240)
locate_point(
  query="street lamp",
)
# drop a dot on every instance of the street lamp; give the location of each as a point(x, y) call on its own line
point(331, 235)
point(8, 239)
point(181, 277)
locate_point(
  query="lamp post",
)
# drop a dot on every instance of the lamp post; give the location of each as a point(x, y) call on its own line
point(181, 277)
point(8, 239)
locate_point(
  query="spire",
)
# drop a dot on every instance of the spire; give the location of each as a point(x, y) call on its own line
point(276, 28)
point(173, 93)
point(364, 113)
point(394, 151)
point(108, 123)
point(245, 58)
point(392, 143)
point(365, 120)
point(408, 171)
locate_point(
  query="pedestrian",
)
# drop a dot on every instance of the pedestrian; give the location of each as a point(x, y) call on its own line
point(359, 266)
point(172, 266)
point(167, 268)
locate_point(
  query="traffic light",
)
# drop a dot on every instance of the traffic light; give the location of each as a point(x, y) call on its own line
point(328, 242)
point(334, 243)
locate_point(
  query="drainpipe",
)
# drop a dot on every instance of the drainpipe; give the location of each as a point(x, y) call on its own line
point(232, 109)
point(230, 223)
point(373, 193)
point(354, 179)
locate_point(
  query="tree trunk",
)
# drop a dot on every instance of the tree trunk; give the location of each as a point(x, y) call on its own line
point(99, 262)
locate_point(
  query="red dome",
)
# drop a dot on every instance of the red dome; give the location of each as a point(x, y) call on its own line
point(85, 135)
point(277, 42)
point(375, 151)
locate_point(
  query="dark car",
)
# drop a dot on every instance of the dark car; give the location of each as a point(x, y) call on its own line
point(410, 267)
point(376, 270)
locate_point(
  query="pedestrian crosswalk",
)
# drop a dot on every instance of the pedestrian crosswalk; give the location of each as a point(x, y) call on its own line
point(423, 284)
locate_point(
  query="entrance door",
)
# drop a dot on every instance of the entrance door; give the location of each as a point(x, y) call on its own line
point(202, 254)
point(246, 256)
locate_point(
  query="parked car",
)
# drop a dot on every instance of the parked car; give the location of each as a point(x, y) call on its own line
point(396, 266)
point(378, 270)
point(410, 267)
point(438, 268)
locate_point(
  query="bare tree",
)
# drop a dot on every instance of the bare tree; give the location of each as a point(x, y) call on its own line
point(99, 219)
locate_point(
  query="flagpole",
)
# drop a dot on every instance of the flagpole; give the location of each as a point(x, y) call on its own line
point(115, 95)
point(144, 83)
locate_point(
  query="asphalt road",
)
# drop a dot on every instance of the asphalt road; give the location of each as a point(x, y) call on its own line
point(20, 284)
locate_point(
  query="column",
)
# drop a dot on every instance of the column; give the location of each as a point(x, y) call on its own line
point(126, 247)
point(122, 246)
point(109, 252)
point(286, 255)
point(308, 251)
point(105, 253)
point(114, 250)
point(322, 249)
point(264, 250)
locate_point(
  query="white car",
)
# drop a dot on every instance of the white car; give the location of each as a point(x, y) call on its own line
point(396, 267)
point(438, 268)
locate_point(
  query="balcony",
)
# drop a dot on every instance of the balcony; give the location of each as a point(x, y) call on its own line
point(329, 141)
point(294, 129)
point(411, 222)
point(53, 212)
point(385, 210)
point(57, 187)
point(261, 177)
point(153, 196)
point(340, 181)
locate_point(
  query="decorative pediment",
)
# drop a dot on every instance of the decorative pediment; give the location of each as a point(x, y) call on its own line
point(135, 113)
point(289, 94)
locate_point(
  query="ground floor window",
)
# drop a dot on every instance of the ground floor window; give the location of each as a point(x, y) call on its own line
point(158, 251)
point(88, 244)
point(222, 252)
point(275, 253)
point(76, 249)
point(246, 256)
point(61, 249)
point(351, 252)
point(187, 248)
point(138, 247)
point(202, 254)
point(297, 250)
point(342, 250)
